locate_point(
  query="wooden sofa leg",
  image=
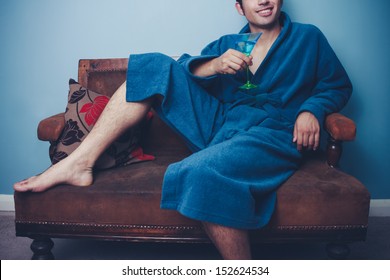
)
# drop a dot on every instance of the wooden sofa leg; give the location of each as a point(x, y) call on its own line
point(334, 150)
point(41, 248)
point(337, 251)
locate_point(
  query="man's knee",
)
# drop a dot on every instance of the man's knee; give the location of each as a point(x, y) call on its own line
point(160, 59)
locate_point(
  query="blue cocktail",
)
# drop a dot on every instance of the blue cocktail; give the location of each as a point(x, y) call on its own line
point(245, 45)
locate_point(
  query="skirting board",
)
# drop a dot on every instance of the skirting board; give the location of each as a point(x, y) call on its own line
point(378, 208)
point(7, 203)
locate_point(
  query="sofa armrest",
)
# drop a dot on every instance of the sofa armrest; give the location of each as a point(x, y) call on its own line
point(340, 128)
point(51, 128)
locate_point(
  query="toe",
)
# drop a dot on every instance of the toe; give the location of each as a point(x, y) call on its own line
point(22, 186)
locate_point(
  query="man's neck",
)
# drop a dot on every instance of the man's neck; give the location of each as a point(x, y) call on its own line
point(270, 36)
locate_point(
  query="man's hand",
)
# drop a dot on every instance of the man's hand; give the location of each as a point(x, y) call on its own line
point(307, 131)
point(230, 62)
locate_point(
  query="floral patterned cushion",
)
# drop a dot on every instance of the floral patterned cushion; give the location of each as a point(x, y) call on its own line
point(83, 110)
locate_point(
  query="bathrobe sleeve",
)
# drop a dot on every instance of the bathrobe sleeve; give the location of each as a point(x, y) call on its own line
point(211, 51)
point(332, 88)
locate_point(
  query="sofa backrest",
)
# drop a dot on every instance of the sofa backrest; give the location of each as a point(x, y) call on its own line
point(102, 75)
point(105, 76)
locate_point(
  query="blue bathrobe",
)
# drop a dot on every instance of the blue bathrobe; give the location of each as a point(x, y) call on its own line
point(242, 140)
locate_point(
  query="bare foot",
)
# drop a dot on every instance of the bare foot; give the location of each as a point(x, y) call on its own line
point(65, 172)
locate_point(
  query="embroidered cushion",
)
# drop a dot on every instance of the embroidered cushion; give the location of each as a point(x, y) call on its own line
point(83, 110)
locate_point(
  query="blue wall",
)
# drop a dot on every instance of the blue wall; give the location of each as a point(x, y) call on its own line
point(42, 41)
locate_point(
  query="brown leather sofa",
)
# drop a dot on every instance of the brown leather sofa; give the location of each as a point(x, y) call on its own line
point(318, 203)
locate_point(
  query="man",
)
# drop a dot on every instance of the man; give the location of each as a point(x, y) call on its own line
point(246, 143)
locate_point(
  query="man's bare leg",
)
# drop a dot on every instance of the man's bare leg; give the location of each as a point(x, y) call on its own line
point(76, 169)
point(232, 244)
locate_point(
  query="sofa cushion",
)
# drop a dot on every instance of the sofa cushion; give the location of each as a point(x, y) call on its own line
point(83, 110)
point(316, 197)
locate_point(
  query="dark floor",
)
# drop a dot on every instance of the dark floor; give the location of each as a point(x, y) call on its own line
point(376, 247)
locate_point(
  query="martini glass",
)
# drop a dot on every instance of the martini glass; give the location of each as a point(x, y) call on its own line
point(245, 44)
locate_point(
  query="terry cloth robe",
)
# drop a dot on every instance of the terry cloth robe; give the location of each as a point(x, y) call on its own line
point(242, 141)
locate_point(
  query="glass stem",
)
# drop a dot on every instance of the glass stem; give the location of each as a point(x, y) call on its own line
point(247, 75)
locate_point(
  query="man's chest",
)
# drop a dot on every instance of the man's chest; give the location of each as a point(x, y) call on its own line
point(258, 53)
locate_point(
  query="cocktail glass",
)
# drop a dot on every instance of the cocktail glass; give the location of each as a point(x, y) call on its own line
point(245, 44)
